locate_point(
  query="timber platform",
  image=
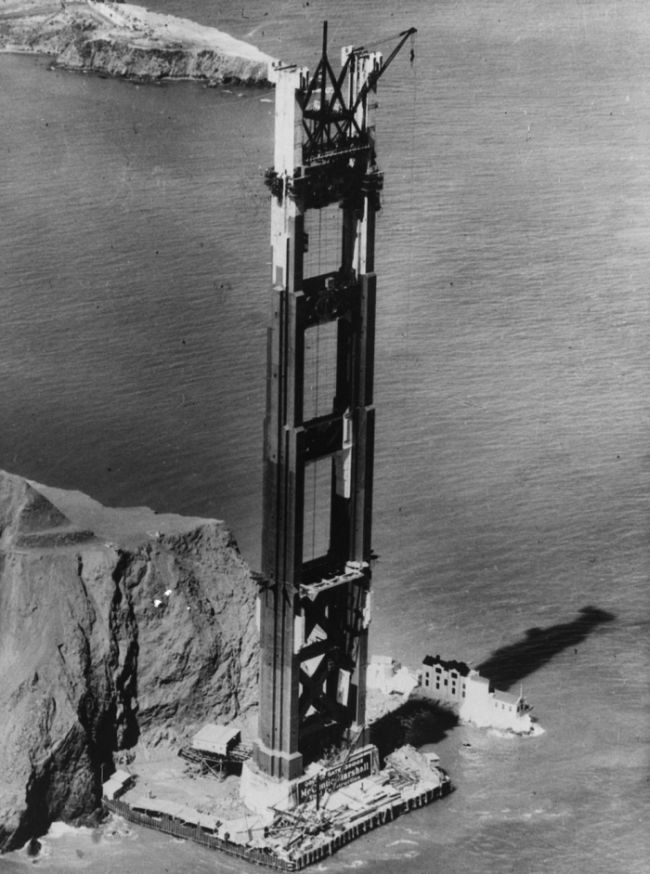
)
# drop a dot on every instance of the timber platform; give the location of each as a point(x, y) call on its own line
point(292, 839)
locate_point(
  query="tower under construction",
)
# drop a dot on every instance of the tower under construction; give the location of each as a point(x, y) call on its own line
point(314, 605)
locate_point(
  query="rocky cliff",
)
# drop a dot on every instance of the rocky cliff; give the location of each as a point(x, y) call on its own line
point(129, 41)
point(114, 625)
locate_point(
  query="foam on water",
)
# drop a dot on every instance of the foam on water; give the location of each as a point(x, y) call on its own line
point(61, 829)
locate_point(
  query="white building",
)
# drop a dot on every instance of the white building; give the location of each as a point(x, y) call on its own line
point(475, 699)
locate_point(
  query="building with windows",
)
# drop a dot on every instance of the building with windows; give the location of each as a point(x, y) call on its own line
point(473, 696)
point(444, 680)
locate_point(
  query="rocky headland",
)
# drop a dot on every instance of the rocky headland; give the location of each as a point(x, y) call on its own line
point(117, 627)
point(127, 41)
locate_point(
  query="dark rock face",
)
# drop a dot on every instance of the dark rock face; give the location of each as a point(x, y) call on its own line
point(106, 641)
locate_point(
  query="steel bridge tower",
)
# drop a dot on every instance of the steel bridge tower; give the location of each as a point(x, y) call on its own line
point(314, 607)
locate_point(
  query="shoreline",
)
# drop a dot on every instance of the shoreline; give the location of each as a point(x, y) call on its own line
point(125, 41)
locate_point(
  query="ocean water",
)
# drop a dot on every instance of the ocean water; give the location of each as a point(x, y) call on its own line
point(512, 381)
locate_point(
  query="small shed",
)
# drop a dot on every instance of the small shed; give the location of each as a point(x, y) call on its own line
point(118, 783)
point(216, 739)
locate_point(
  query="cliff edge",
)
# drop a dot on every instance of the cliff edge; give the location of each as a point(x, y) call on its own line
point(120, 39)
point(115, 625)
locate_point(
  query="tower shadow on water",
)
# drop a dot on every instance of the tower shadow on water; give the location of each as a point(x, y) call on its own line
point(510, 664)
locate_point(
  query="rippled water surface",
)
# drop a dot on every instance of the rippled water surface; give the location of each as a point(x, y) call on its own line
point(512, 385)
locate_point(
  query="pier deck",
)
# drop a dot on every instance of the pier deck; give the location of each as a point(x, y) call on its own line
point(305, 835)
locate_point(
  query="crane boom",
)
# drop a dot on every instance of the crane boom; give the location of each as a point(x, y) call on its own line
point(377, 74)
point(333, 116)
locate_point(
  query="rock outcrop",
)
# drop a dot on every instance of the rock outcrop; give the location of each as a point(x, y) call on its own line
point(129, 41)
point(114, 625)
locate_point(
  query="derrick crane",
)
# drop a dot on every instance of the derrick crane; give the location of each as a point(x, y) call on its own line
point(333, 121)
point(314, 609)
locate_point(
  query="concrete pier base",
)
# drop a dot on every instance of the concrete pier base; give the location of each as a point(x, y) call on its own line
point(259, 791)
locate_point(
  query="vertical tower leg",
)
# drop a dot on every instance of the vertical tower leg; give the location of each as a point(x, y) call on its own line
point(314, 614)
